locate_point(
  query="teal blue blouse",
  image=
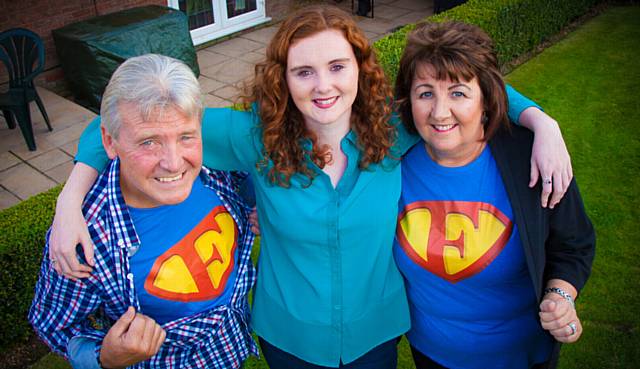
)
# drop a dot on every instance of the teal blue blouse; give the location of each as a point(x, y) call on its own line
point(328, 289)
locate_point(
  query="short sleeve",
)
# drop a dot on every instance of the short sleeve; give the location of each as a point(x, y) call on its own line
point(230, 139)
point(90, 149)
point(518, 103)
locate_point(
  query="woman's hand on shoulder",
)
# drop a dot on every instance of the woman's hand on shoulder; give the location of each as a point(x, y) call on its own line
point(255, 223)
point(69, 228)
point(550, 160)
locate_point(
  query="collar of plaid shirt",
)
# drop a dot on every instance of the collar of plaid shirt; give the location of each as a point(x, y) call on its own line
point(218, 338)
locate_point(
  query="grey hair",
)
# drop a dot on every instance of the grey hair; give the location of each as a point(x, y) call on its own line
point(150, 82)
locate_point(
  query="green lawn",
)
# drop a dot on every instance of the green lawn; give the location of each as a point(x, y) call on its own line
point(589, 83)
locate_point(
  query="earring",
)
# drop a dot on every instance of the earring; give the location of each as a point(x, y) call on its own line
point(485, 118)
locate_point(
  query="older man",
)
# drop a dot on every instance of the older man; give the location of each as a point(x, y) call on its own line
point(172, 242)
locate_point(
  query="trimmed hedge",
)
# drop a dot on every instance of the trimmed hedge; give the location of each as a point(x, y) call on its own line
point(21, 241)
point(516, 26)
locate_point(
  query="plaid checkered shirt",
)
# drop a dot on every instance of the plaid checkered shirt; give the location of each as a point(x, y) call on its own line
point(62, 308)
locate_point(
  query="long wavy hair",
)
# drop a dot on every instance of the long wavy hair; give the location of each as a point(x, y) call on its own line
point(283, 128)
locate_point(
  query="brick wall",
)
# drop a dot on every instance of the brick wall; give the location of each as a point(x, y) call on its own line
point(43, 16)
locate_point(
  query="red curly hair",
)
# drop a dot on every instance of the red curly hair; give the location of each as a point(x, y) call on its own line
point(283, 128)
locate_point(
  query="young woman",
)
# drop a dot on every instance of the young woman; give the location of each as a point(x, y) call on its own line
point(324, 159)
point(490, 275)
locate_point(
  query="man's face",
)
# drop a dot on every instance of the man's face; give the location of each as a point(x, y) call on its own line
point(159, 157)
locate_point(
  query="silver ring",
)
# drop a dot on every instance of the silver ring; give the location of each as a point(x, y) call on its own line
point(546, 181)
point(573, 327)
point(53, 261)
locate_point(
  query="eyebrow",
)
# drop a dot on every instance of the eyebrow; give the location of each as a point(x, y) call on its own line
point(459, 85)
point(340, 60)
point(428, 85)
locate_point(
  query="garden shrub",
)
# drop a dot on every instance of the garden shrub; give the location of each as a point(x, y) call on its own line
point(516, 26)
point(21, 242)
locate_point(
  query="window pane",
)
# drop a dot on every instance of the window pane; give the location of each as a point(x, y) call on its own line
point(200, 12)
point(239, 7)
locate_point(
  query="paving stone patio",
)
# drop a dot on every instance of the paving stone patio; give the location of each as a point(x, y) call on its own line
point(224, 67)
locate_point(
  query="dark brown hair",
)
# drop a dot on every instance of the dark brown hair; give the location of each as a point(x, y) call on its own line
point(283, 124)
point(456, 51)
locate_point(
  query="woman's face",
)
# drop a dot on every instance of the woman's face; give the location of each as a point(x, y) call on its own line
point(447, 115)
point(322, 76)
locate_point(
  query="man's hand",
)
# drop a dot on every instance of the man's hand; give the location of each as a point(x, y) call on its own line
point(133, 338)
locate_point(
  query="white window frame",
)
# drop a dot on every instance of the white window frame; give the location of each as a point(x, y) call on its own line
point(224, 26)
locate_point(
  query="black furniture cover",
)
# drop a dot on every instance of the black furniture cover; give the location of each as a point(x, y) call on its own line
point(91, 50)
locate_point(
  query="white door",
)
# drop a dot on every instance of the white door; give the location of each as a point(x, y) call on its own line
point(211, 19)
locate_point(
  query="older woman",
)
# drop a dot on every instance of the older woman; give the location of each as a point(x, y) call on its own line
point(491, 276)
point(323, 158)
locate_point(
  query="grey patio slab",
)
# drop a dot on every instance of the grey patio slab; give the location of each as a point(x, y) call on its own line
point(375, 25)
point(61, 137)
point(49, 160)
point(208, 84)
point(24, 181)
point(207, 58)
point(21, 150)
point(422, 6)
point(66, 118)
point(263, 35)
point(70, 148)
point(235, 47)
point(373, 36)
point(252, 57)
point(12, 139)
point(212, 101)
point(62, 112)
point(7, 199)
point(61, 172)
point(228, 92)
point(390, 12)
point(8, 160)
point(230, 72)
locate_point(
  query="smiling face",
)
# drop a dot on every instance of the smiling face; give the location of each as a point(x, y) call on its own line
point(322, 77)
point(447, 115)
point(160, 157)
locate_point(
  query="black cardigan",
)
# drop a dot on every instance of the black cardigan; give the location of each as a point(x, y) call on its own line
point(559, 242)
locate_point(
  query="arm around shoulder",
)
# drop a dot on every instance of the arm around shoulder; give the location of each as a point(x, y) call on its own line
point(69, 228)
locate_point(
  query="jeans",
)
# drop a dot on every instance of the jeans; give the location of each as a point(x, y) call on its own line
point(422, 361)
point(383, 356)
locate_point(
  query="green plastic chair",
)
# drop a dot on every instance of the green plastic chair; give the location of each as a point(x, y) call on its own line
point(22, 53)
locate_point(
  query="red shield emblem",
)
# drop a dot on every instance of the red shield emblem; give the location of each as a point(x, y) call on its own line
point(198, 266)
point(453, 239)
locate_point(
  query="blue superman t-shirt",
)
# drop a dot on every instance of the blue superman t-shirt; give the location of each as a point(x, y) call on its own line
point(187, 258)
point(470, 294)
